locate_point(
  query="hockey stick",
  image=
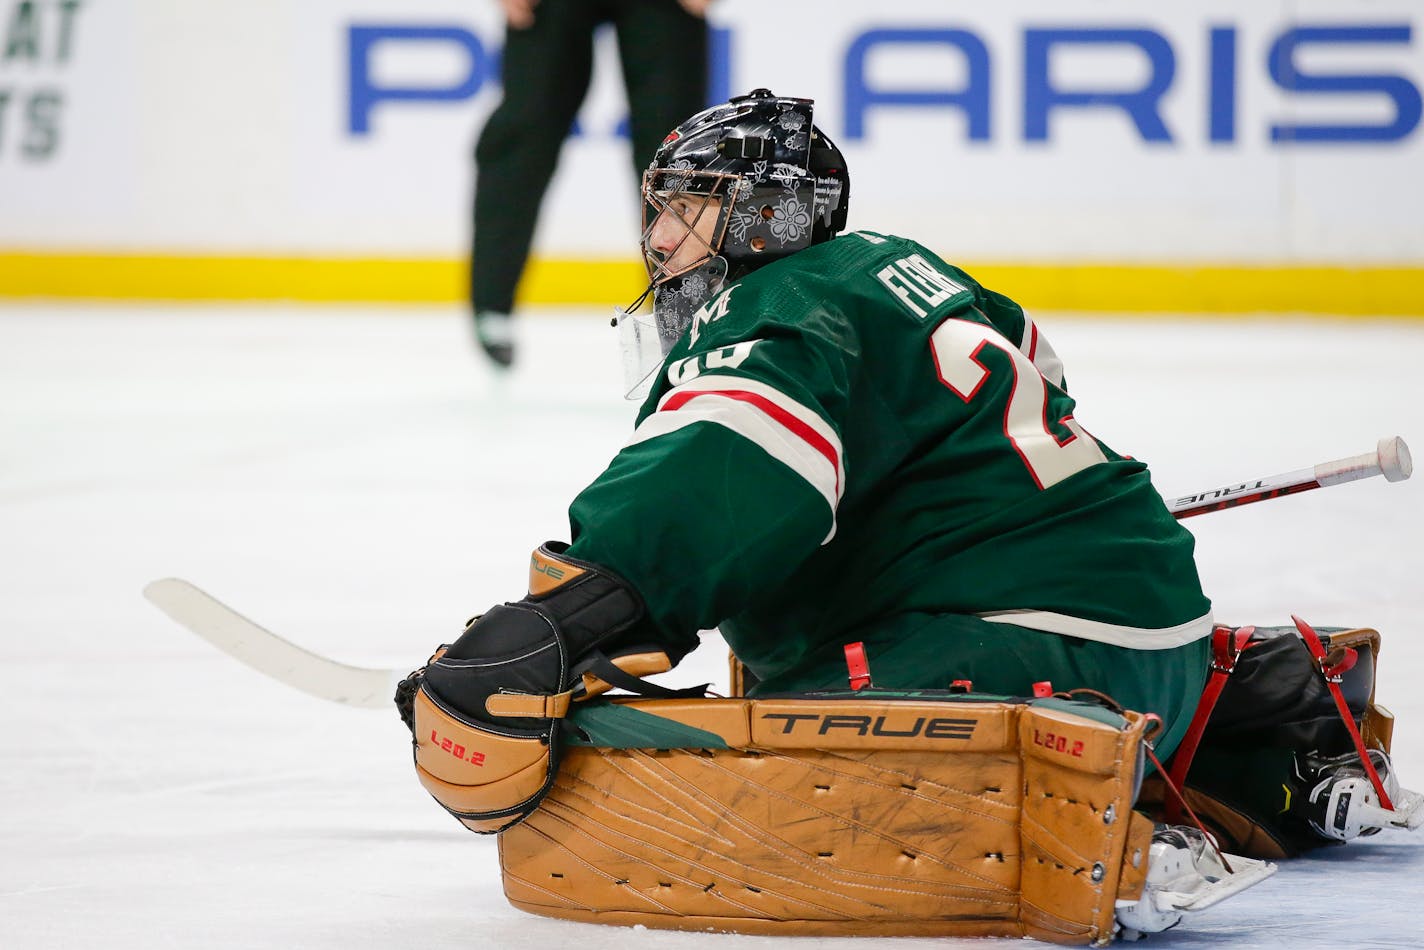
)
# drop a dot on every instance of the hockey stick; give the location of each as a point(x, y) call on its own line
point(1390, 459)
point(264, 651)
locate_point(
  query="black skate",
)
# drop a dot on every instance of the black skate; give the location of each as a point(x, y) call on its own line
point(1337, 799)
point(495, 334)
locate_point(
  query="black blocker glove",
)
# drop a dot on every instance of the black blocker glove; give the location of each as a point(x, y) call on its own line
point(486, 711)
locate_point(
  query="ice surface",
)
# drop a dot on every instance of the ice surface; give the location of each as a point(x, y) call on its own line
point(360, 481)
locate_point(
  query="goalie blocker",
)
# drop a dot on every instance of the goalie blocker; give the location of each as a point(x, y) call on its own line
point(487, 712)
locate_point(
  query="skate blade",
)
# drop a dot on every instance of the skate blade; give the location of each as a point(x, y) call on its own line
point(1408, 813)
point(1245, 872)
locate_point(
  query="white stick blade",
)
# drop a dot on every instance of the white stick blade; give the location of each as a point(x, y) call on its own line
point(255, 646)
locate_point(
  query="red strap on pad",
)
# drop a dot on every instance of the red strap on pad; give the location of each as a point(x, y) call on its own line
point(857, 665)
point(1226, 648)
point(1332, 674)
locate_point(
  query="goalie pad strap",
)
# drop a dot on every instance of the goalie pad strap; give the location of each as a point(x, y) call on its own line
point(1226, 648)
point(600, 673)
point(596, 675)
point(529, 705)
point(1332, 680)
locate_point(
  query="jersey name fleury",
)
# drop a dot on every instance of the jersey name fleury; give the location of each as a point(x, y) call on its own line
point(919, 285)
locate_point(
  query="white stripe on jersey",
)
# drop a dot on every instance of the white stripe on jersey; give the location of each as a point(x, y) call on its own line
point(1138, 638)
point(1040, 353)
point(779, 425)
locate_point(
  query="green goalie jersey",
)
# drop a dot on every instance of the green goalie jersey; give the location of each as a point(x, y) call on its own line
point(858, 433)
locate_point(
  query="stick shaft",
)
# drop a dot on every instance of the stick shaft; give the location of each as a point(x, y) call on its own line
point(1390, 458)
point(1232, 496)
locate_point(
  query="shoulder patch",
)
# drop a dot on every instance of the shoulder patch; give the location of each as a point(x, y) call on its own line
point(712, 311)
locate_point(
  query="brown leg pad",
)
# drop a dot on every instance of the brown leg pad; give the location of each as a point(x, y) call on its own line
point(844, 817)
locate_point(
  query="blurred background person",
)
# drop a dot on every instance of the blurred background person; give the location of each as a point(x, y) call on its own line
point(546, 70)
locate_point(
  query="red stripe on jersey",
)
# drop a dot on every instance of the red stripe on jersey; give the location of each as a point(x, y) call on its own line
point(794, 425)
point(1033, 342)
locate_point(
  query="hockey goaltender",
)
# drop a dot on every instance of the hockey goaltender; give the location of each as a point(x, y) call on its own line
point(976, 686)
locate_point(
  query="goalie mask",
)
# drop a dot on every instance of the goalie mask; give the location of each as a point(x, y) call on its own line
point(734, 187)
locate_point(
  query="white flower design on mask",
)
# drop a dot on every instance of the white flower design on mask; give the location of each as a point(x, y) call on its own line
point(694, 286)
point(791, 121)
point(789, 220)
point(786, 175)
point(741, 221)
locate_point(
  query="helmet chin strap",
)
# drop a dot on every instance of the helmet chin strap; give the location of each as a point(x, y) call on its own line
point(633, 307)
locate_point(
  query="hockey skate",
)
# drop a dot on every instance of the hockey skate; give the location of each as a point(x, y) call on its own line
point(495, 334)
point(1338, 800)
point(1185, 873)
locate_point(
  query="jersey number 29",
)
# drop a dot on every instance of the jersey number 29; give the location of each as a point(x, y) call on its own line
point(956, 345)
